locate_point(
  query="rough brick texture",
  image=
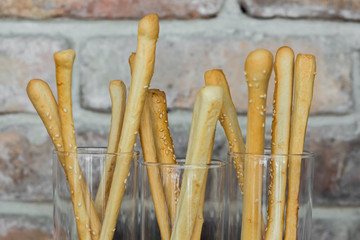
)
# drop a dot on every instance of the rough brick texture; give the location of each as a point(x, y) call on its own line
point(23, 58)
point(109, 9)
point(329, 230)
point(181, 63)
point(349, 10)
point(21, 227)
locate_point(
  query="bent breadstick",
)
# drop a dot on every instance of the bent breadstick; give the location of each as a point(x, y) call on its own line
point(284, 69)
point(64, 62)
point(144, 67)
point(147, 139)
point(206, 112)
point(228, 119)
point(45, 104)
point(164, 148)
point(258, 66)
point(117, 90)
point(305, 68)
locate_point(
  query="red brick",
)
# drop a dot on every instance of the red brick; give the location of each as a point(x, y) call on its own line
point(181, 63)
point(22, 59)
point(109, 8)
point(21, 227)
point(349, 10)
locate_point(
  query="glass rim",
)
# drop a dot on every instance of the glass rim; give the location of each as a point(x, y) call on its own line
point(214, 163)
point(94, 152)
point(268, 154)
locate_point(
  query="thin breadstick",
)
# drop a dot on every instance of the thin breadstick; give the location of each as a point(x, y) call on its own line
point(229, 120)
point(305, 68)
point(143, 70)
point(64, 63)
point(149, 151)
point(45, 104)
point(284, 70)
point(258, 67)
point(117, 90)
point(206, 112)
point(164, 148)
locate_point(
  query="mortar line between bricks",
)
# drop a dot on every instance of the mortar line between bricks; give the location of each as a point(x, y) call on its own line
point(336, 212)
point(356, 85)
point(33, 209)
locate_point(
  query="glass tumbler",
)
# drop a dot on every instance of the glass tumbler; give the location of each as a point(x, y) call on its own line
point(91, 161)
point(197, 190)
point(274, 188)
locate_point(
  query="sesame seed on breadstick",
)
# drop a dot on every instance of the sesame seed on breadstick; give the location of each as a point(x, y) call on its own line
point(284, 70)
point(228, 119)
point(64, 62)
point(117, 90)
point(208, 103)
point(305, 67)
point(148, 140)
point(164, 148)
point(140, 80)
point(45, 104)
point(258, 67)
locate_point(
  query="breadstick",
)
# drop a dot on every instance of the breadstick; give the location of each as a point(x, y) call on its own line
point(228, 119)
point(284, 70)
point(45, 104)
point(258, 66)
point(305, 68)
point(141, 76)
point(149, 151)
point(206, 112)
point(164, 148)
point(64, 62)
point(117, 90)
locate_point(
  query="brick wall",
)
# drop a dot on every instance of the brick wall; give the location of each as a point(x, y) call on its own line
point(195, 36)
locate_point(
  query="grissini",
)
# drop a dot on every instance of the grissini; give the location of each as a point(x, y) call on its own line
point(258, 67)
point(164, 148)
point(140, 80)
point(147, 139)
point(228, 119)
point(305, 68)
point(117, 90)
point(45, 104)
point(88, 225)
point(280, 136)
point(206, 112)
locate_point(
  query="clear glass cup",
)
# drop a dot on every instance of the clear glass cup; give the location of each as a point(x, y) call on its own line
point(91, 161)
point(209, 222)
point(270, 171)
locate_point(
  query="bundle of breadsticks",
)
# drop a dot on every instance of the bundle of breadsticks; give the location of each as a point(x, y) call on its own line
point(179, 207)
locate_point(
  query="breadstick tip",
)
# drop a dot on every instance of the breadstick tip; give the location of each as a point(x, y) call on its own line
point(212, 93)
point(306, 61)
point(116, 83)
point(259, 57)
point(212, 76)
point(149, 26)
point(285, 51)
point(34, 86)
point(65, 57)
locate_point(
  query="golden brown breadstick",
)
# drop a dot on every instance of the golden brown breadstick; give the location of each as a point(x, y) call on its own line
point(305, 68)
point(228, 119)
point(206, 112)
point(117, 90)
point(164, 148)
point(284, 70)
point(143, 70)
point(64, 62)
point(45, 104)
point(258, 66)
point(149, 151)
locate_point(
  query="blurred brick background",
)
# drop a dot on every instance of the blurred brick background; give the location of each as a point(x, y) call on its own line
point(195, 36)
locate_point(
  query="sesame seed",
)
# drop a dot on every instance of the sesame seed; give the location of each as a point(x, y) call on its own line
point(70, 145)
point(264, 71)
point(70, 167)
point(77, 218)
point(136, 132)
point(80, 177)
point(161, 115)
point(65, 110)
point(47, 114)
point(250, 85)
point(57, 135)
point(146, 86)
point(255, 79)
point(50, 117)
point(263, 125)
point(158, 101)
point(262, 113)
point(59, 145)
point(79, 204)
point(250, 101)
point(50, 127)
point(245, 73)
point(161, 130)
